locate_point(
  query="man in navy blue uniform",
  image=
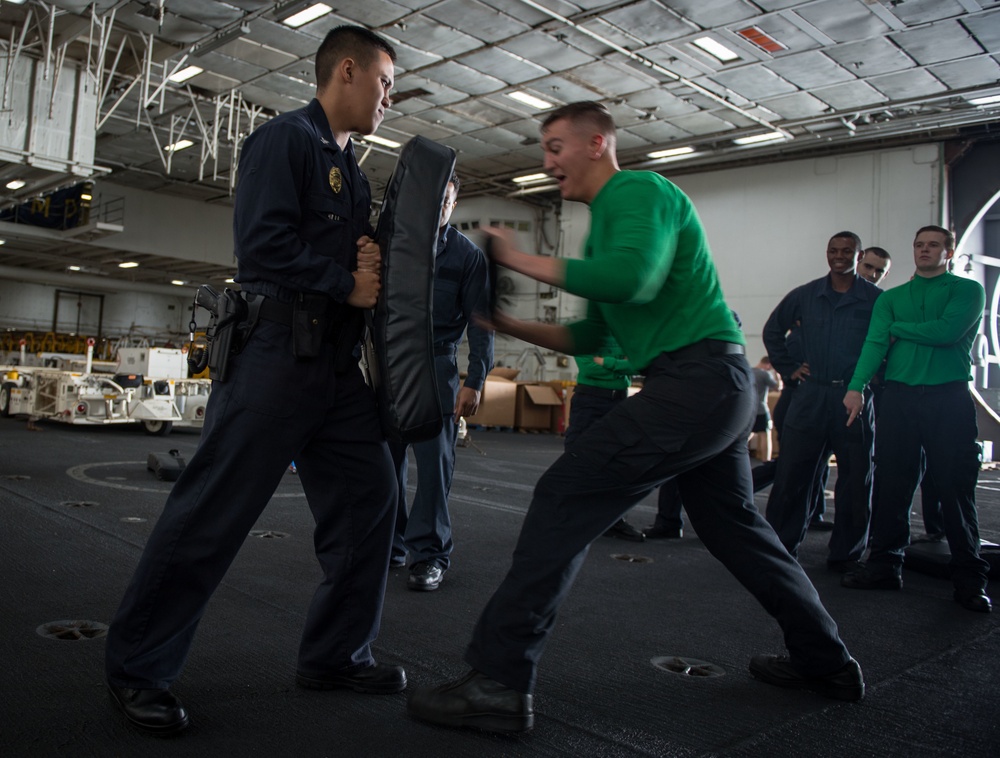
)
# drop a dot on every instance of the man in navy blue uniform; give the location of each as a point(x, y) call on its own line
point(295, 392)
point(460, 283)
point(832, 316)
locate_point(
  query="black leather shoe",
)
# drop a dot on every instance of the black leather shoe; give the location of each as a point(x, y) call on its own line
point(154, 711)
point(425, 576)
point(474, 701)
point(873, 577)
point(973, 600)
point(846, 683)
point(623, 530)
point(379, 679)
point(662, 533)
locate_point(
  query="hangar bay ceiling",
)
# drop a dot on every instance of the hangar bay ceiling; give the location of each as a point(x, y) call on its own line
point(697, 83)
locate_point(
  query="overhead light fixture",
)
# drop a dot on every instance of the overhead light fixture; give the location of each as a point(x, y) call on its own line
point(674, 152)
point(178, 282)
point(182, 144)
point(758, 138)
point(381, 141)
point(128, 264)
point(74, 268)
point(3, 242)
point(230, 280)
point(530, 178)
point(303, 17)
point(760, 38)
point(715, 49)
point(534, 102)
point(535, 189)
point(86, 196)
point(222, 37)
point(184, 74)
point(15, 184)
point(990, 100)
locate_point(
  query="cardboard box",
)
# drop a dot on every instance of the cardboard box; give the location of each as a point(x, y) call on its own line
point(535, 405)
point(497, 405)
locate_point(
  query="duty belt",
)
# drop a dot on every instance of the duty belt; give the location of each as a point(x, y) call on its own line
point(602, 392)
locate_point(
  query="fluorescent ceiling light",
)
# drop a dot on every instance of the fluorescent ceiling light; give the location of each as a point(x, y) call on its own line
point(756, 138)
point(75, 268)
point(128, 264)
point(230, 280)
point(534, 102)
point(671, 153)
point(715, 49)
point(15, 184)
point(303, 17)
point(178, 282)
point(991, 100)
point(184, 74)
point(380, 141)
point(178, 145)
point(3, 242)
point(530, 178)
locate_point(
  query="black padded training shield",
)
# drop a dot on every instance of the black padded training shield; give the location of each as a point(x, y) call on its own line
point(401, 361)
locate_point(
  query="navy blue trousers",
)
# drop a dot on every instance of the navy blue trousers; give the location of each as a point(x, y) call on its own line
point(425, 532)
point(273, 409)
point(691, 420)
point(941, 421)
point(816, 423)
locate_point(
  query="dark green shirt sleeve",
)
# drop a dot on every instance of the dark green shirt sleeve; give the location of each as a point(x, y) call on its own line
point(963, 311)
point(876, 345)
point(633, 269)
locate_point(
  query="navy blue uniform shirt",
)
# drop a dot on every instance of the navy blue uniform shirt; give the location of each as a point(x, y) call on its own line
point(460, 285)
point(301, 205)
point(832, 329)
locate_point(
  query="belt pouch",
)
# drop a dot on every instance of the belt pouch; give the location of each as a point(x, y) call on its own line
point(308, 326)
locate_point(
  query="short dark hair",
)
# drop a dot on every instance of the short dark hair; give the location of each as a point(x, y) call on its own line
point(348, 42)
point(949, 237)
point(880, 252)
point(456, 181)
point(589, 112)
point(849, 235)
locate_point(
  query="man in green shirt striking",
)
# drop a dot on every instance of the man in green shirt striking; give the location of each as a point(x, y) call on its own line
point(650, 281)
point(926, 327)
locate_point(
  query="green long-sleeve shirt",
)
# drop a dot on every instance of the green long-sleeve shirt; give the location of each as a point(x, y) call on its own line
point(614, 374)
point(934, 322)
point(647, 272)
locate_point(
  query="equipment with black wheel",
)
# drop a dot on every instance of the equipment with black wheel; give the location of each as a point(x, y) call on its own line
point(5, 389)
point(157, 428)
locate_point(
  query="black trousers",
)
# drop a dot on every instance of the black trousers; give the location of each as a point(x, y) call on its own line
point(941, 421)
point(817, 423)
point(691, 420)
point(272, 409)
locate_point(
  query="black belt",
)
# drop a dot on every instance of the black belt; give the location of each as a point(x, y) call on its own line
point(927, 388)
point(602, 392)
point(283, 313)
point(705, 349)
point(274, 310)
point(826, 382)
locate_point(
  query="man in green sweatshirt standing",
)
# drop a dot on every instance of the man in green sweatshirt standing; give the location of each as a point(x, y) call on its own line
point(926, 327)
point(651, 284)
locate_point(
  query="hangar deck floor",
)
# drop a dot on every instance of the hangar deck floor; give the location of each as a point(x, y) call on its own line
point(77, 504)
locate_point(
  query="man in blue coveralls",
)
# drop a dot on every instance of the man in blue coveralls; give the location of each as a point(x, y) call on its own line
point(295, 392)
point(460, 282)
